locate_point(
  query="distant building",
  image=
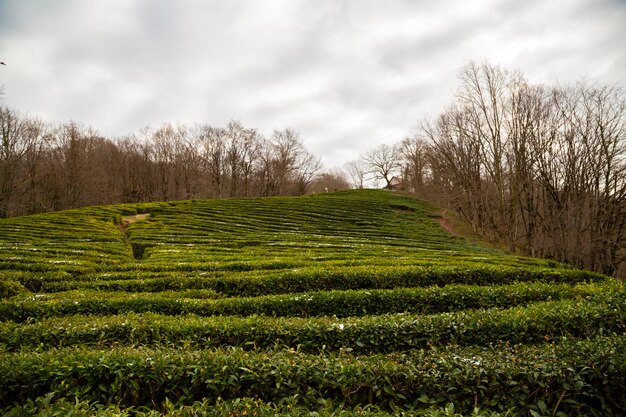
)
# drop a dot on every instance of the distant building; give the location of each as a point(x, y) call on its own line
point(395, 184)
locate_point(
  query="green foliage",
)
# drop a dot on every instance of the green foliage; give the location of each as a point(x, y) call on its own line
point(251, 407)
point(577, 378)
point(536, 323)
point(327, 231)
point(10, 288)
point(12, 284)
point(319, 303)
point(43, 406)
point(354, 303)
point(255, 283)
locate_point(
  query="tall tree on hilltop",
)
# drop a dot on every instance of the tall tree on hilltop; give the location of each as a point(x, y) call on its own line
point(383, 163)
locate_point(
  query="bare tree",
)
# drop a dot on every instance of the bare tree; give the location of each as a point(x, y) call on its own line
point(307, 168)
point(329, 181)
point(35, 132)
point(249, 155)
point(137, 179)
point(285, 148)
point(242, 149)
point(456, 167)
point(356, 172)
point(163, 142)
point(213, 144)
point(383, 163)
point(19, 147)
point(414, 163)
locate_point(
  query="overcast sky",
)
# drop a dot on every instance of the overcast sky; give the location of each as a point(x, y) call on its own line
point(346, 74)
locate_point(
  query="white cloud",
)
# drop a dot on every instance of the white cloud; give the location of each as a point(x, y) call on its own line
point(346, 74)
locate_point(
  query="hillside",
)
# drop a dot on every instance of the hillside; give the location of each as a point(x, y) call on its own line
point(348, 303)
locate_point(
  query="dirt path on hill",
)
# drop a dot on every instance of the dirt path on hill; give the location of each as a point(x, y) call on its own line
point(446, 223)
point(127, 220)
point(133, 219)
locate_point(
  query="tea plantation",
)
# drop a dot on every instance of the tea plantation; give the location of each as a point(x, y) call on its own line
point(354, 303)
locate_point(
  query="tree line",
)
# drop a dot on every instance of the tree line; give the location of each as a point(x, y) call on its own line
point(540, 168)
point(45, 167)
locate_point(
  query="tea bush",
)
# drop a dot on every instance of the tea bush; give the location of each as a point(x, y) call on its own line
point(575, 377)
point(540, 322)
point(333, 303)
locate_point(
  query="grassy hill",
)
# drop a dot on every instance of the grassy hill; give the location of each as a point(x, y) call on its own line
point(349, 303)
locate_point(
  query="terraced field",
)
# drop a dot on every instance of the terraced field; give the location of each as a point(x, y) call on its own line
point(349, 303)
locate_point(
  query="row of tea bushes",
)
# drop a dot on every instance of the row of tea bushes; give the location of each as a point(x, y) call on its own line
point(428, 300)
point(314, 279)
point(536, 323)
point(249, 407)
point(575, 377)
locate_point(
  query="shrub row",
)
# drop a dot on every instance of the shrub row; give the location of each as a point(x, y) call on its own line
point(153, 281)
point(577, 378)
point(89, 294)
point(37, 266)
point(364, 335)
point(10, 288)
point(385, 278)
point(34, 281)
point(249, 407)
point(338, 303)
point(347, 278)
point(169, 282)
